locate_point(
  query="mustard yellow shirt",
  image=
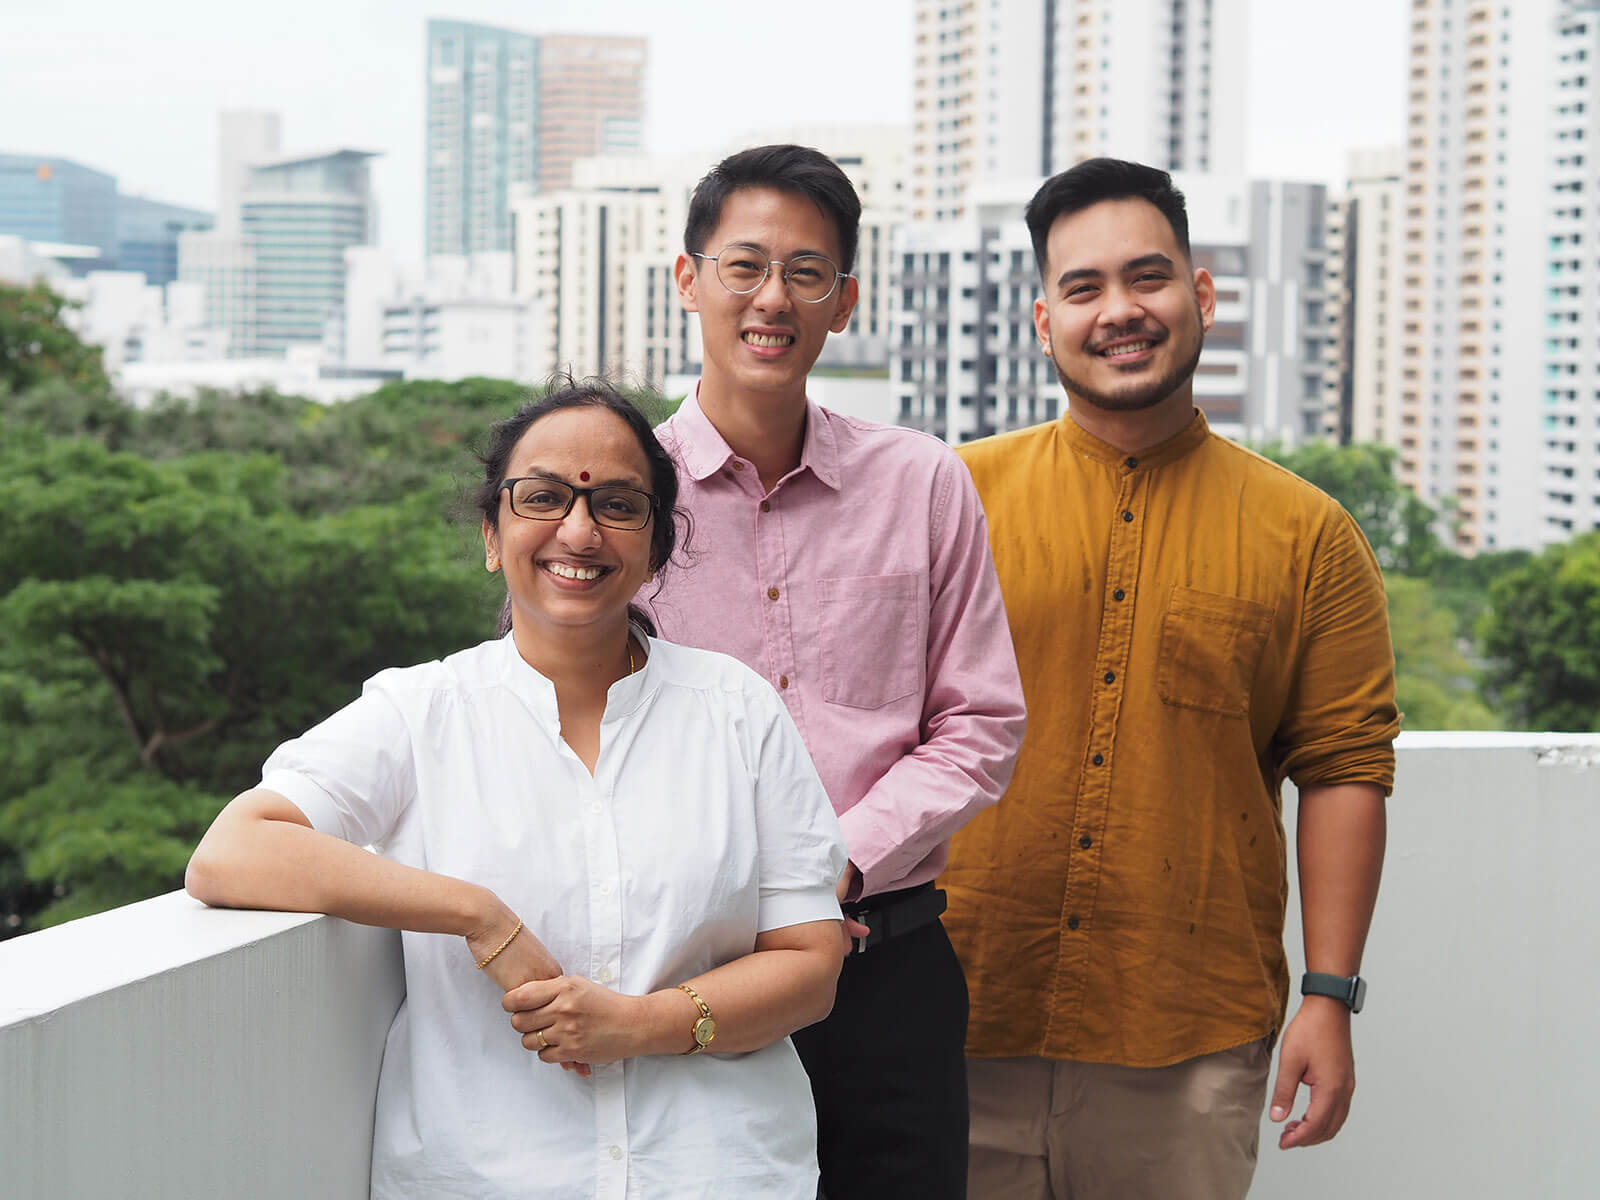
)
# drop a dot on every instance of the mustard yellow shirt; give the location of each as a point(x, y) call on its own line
point(1193, 625)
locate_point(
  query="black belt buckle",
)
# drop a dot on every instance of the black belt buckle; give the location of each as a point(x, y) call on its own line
point(895, 913)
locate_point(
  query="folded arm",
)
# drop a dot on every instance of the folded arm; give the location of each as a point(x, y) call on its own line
point(261, 852)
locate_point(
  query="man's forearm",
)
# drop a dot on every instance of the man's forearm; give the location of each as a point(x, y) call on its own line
point(1340, 842)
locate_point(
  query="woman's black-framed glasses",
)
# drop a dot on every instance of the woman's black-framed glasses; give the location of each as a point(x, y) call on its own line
point(744, 269)
point(542, 499)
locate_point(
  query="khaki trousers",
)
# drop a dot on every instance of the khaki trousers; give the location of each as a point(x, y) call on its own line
point(1063, 1130)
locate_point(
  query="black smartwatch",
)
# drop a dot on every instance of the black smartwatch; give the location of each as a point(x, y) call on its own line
point(1351, 991)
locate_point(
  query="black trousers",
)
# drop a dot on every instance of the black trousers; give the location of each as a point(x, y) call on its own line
point(889, 1074)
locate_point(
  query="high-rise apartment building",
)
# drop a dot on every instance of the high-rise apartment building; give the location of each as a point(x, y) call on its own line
point(1477, 199)
point(1570, 416)
point(510, 110)
point(1366, 249)
point(300, 214)
point(1020, 89)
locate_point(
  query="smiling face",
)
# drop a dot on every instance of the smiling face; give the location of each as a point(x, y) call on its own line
point(1123, 315)
point(573, 573)
point(765, 341)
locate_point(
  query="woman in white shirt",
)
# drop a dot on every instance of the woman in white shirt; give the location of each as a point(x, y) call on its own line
point(627, 834)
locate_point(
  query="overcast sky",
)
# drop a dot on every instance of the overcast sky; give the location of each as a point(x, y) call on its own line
point(134, 89)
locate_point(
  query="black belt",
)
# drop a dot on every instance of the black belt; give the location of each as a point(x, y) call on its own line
point(889, 914)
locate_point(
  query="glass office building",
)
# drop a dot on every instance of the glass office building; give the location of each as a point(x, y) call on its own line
point(147, 236)
point(299, 214)
point(60, 201)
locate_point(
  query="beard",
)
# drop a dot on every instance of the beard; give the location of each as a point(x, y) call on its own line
point(1139, 394)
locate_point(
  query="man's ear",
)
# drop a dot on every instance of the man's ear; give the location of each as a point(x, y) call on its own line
point(683, 271)
point(845, 303)
point(1041, 322)
point(1205, 292)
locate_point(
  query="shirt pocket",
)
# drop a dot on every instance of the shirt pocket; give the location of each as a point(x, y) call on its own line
point(1210, 649)
point(873, 636)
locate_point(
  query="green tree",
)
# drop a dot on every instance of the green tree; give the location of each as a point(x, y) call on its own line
point(1542, 635)
point(36, 344)
point(1434, 680)
point(1361, 478)
point(164, 625)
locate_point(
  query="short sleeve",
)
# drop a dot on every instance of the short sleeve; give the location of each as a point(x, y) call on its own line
point(353, 775)
point(802, 852)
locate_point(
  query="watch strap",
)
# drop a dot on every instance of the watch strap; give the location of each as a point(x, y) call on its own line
point(1351, 990)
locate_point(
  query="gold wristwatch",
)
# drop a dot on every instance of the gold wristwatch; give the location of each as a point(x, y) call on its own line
point(705, 1028)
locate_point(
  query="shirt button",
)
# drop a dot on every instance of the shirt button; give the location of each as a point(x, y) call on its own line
point(783, 681)
point(1098, 759)
point(596, 807)
point(772, 593)
point(615, 1152)
point(1085, 841)
point(603, 975)
point(737, 466)
point(766, 506)
point(1133, 462)
point(1119, 594)
point(1072, 921)
point(605, 889)
point(1126, 515)
point(1111, 676)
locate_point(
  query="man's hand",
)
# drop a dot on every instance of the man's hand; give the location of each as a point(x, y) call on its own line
point(573, 1020)
point(852, 928)
point(1316, 1051)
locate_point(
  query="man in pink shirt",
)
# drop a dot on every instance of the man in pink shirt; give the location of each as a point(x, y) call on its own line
point(848, 562)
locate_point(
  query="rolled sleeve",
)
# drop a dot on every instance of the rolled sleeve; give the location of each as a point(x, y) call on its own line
point(801, 851)
point(353, 775)
point(1341, 721)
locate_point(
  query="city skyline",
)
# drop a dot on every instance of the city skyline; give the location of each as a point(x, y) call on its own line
point(138, 97)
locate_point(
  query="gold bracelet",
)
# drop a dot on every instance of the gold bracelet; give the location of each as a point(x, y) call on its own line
point(496, 952)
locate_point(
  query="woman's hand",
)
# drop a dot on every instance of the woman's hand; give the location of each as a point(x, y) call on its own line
point(575, 1020)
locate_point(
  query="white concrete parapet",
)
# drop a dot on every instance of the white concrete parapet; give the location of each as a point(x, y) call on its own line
point(167, 1051)
point(1477, 1053)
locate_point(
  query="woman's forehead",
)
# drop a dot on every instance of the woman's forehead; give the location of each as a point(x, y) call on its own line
point(571, 441)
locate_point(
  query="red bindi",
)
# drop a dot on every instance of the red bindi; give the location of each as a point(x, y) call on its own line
point(583, 477)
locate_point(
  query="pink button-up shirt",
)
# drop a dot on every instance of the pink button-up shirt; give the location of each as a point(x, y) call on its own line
point(863, 589)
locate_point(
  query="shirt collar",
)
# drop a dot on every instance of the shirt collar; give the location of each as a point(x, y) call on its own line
point(704, 452)
point(535, 690)
point(1174, 448)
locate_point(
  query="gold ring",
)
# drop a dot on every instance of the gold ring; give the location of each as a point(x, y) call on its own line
point(543, 1045)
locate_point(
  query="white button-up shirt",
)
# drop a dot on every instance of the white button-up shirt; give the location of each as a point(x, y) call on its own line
point(703, 825)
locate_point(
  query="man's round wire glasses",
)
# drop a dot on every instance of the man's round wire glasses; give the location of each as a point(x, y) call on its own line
point(542, 499)
point(744, 269)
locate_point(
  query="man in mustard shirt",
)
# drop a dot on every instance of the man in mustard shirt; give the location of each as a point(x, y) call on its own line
point(1194, 625)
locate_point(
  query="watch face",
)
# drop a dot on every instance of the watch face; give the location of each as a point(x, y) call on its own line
point(704, 1030)
point(1359, 1000)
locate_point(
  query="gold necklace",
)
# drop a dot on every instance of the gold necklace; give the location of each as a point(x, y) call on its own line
point(631, 667)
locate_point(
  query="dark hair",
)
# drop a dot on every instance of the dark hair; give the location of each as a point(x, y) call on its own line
point(562, 392)
point(787, 168)
point(1097, 179)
